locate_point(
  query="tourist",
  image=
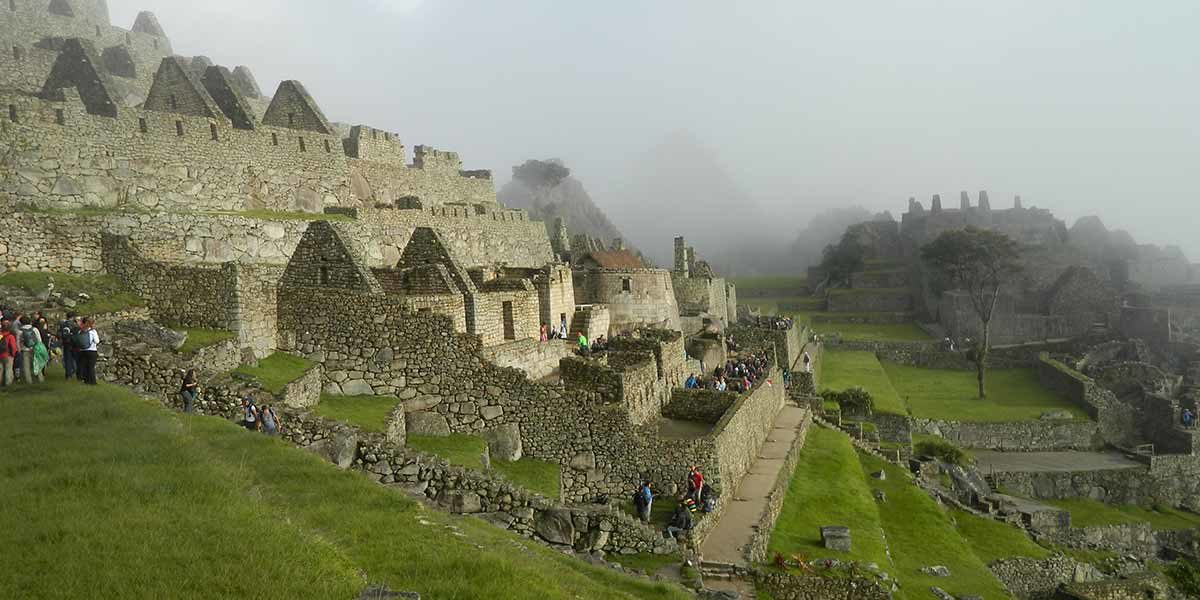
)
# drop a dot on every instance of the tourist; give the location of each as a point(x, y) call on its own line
point(643, 499)
point(33, 354)
point(8, 353)
point(600, 343)
point(187, 390)
point(562, 327)
point(1188, 418)
point(807, 362)
point(695, 483)
point(691, 383)
point(89, 347)
point(249, 414)
point(708, 499)
point(553, 332)
point(14, 327)
point(583, 343)
point(270, 421)
point(542, 334)
point(681, 520)
point(68, 329)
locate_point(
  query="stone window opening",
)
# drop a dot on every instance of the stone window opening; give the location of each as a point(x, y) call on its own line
point(128, 40)
point(16, 53)
point(12, 113)
point(328, 149)
point(302, 148)
point(374, 134)
point(173, 101)
point(212, 129)
point(179, 128)
point(291, 119)
point(510, 328)
point(59, 117)
point(274, 139)
point(97, 31)
point(12, 4)
point(627, 284)
point(156, 43)
point(323, 272)
point(142, 125)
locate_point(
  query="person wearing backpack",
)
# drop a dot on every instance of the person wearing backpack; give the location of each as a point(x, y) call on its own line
point(187, 390)
point(88, 341)
point(68, 329)
point(8, 354)
point(643, 500)
point(249, 414)
point(681, 520)
point(31, 359)
point(270, 420)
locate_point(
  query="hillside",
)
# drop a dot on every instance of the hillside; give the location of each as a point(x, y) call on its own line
point(548, 191)
point(110, 496)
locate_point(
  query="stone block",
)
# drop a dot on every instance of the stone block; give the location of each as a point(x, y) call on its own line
point(836, 537)
point(339, 449)
point(395, 426)
point(461, 502)
point(555, 526)
point(357, 387)
point(427, 423)
point(504, 442)
point(152, 333)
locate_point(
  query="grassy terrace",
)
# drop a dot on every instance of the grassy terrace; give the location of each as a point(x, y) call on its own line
point(1013, 395)
point(832, 486)
point(107, 294)
point(276, 371)
point(367, 412)
point(1090, 513)
point(203, 338)
point(108, 496)
point(842, 370)
point(864, 332)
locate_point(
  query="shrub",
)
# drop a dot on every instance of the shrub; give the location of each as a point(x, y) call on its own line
point(855, 400)
point(942, 450)
point(1185, 576)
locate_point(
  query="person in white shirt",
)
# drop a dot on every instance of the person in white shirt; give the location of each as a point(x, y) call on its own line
point(88, 352)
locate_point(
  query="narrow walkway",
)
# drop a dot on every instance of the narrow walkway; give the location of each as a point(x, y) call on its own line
point(727, 543)
point(1046, 462)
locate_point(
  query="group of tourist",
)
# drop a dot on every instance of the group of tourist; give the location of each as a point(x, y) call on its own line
point(254, 418)
point(27, 344)
point(554, 332)
point(772, 322)
point(739, 374)
point(699, 496)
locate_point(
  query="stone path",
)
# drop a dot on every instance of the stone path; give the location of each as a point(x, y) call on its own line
point(1041, 462)
point(726, 543)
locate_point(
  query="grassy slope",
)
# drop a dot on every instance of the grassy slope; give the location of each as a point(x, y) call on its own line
point(467, 451)
point(828, 488)
point(992, 540)
point(367, 412)
point(843, 370)
point(108, 496)
point(107, 294)
point(277, 370)
point(1013, 394)
point(919, 534)
point(1089, 513)
point(899, 332)
point(200, 338)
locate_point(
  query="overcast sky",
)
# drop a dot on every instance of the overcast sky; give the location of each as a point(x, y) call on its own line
point(1080, 106)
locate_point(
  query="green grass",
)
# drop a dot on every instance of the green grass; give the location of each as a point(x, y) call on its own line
point(772, 285)
point(108, 496)
point(920, 534)
point(1090, 513)
point(841, 370)
point(203, 338)
point(366, 412)
point(276, 371)
point(537, 476)
point(992, 540)
point(1013, 395)
point(864, 332)
point(107, 294)
point(869, 292)
point(828, 487)
point(458, 449)
point(467, 451)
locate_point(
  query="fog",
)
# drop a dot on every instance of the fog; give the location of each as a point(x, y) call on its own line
point(1080, 106)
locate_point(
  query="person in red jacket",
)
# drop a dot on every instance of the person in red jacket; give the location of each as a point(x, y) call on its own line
point(8, 352)
point(695, 484)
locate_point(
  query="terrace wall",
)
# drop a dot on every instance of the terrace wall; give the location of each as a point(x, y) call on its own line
point(1020, 436)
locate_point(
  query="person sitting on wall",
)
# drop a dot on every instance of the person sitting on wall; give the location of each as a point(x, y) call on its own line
point(600, 343)
point(681, 520)
point(708, 499)
point(1188, 418)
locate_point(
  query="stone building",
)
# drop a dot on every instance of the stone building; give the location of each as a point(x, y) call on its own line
point(635, 295)
point(702, 296)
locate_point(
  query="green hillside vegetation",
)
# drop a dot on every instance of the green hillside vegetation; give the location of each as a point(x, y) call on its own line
point(992, 540)
point(1090, 513)
point(368, 413)
point(841, 370)
point(202, 338)
point(1013, 394)
point(867, 332)
point(276, 371)
point(110, 496)
point(107, 294)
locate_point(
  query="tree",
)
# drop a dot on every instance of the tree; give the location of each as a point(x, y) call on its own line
point(979, 262)
point(842, 260)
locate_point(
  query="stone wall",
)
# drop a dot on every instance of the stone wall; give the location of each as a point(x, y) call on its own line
point(784, 586)
point(304, 391)
point(635, 297)
point(781, 346)
point(869, 300)
point(1019, 436)
point(536, 359)
point(740, 434)
point(1168, 480)
point(1137, 539)
point(697, 295)
point(1035, 579)
point(704, 406)
point(756, 552)
point(1113, 417)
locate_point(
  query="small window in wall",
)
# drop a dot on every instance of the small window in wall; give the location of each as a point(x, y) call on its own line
point(374, 134)
point(510, 326)
point(59, 117)
point(156, 43)
point(128, 40)
point(626, 284)
point(323, 275)
point(142, 125)
point(328, 149)
point(212, 128)
point(302, 148)
point(179, 128)
point(16, 53)
point(12, 4)
point(291, 119)
point(274, 139)
point(387, 137)
point(12, 113)
point(97, 31)
point(173, 101)
point(424, 311)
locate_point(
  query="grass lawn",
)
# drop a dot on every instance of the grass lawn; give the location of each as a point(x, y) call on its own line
point(828, 487)
point(772, 285)
point(367, 412)
point(107, 294)
point(898, 332)
point(467, 451)
point(920, 534)
point(1090, 513)
point(202, 338)
point(992, 540)
point(108, 496)
point(1013, 395)
point(842, 370)
point(276, 371)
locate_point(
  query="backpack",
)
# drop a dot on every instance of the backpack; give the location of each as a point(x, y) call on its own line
point(639, 500)
point(66, 335)
point(28, 339)
point(82, 339)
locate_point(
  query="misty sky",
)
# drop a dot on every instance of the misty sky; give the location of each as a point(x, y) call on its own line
point(1083, 107)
